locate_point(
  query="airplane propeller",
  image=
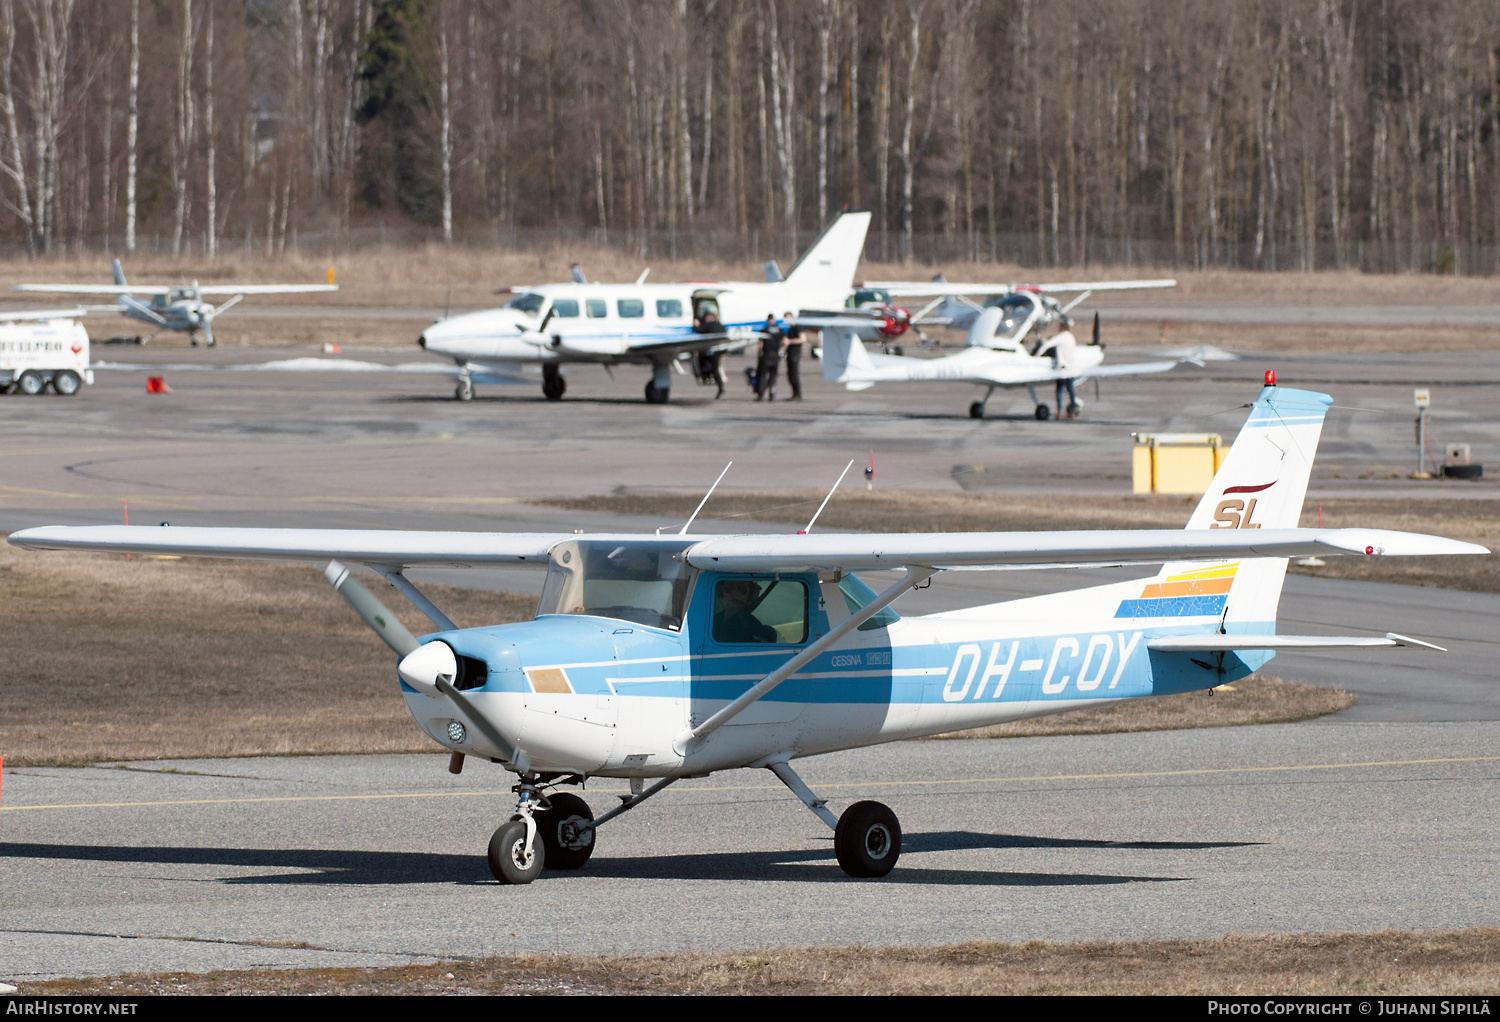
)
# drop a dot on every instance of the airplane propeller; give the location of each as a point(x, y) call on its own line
point(428, 668)
point(374, 613)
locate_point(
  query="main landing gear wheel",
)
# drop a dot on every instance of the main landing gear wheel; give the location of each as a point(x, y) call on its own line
point(976, 410)
point(657, 395)
point(563, 846)
point(465, 390)
point(1043, 413)
point(867, 840)
point(66, 383)
point(553, 385)
point(510, 862)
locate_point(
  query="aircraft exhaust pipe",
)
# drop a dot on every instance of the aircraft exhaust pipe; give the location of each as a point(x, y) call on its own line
point(375, 614)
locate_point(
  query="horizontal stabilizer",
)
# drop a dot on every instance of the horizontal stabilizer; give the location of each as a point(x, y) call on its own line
point(1213, 642)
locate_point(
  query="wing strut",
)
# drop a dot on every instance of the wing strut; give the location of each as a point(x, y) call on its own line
point(915, 576)
point(416, 596)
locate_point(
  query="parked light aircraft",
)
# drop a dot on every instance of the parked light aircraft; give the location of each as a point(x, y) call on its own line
point(174, 306)
point(656, 658)
point(640, 323)
point(1029, 308)
point(993, 355)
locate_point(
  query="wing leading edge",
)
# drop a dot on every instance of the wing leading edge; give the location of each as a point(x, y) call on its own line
point(847, 552)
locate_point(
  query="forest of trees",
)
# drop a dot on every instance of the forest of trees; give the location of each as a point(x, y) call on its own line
point(1265, 134)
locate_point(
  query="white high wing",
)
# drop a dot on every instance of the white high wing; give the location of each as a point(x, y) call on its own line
point(655, 658)
point(658, 325)
point(174, 306)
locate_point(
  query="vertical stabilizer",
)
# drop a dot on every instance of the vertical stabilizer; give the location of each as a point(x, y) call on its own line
point(826, 270)
point(1261, 484)
point(119, 273)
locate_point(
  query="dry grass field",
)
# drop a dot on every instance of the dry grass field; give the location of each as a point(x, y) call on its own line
point(437, 276)
point(1390, 963)
point(116, 659)
point(1477, 521)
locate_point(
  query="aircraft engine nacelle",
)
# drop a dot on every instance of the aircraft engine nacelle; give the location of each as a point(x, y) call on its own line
point(895, 321)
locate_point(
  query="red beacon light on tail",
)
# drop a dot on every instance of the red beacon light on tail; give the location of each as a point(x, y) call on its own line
point(1270, 377)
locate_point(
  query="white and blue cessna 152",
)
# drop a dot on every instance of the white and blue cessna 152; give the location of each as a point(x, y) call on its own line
point(656, 658)
point(641, 324)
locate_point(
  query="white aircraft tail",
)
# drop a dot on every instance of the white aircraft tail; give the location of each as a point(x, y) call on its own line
point(827, 268)
point(844, 356)
point(1261, 484)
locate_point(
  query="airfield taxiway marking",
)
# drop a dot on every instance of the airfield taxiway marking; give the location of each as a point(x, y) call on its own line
point(1196, 772)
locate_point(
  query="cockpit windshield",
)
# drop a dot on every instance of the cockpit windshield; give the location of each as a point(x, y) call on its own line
point(1016, 310)
point(642, 581)
point(528, 302)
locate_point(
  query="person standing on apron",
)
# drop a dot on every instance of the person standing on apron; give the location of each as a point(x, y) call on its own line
point(771, 338)
point(793, 355)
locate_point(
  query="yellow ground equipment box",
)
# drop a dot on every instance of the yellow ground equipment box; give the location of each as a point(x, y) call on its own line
point(1175, 462)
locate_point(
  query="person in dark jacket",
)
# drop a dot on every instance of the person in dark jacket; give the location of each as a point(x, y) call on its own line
point(771, 339)
point(793, 355)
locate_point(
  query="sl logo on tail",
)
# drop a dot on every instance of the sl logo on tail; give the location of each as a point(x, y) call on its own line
point(1237, 514)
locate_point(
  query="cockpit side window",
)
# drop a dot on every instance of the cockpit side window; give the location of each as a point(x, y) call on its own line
point(565, 308)
point(856, 595)
point(750, 610)
point(1016, 310)
point(528, 302)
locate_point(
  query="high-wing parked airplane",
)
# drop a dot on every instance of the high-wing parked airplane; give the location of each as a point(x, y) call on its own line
point(993, 356)
point(640, 323)
point(1028, 308)
point(173, 306)
point(655, 658)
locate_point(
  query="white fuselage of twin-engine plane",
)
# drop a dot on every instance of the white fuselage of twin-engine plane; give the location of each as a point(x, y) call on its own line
point(552, 325)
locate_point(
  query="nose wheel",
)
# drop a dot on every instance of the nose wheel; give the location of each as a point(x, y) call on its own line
point(515, 854)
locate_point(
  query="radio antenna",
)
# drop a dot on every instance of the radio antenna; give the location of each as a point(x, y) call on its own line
point(826, 499)
point(710, 493)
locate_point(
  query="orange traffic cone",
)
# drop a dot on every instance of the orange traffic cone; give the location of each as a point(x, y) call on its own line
point(157, 385)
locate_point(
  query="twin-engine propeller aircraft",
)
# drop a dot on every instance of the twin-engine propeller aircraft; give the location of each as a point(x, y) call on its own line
point(996, 353)
point(640, 324)
point(174, 306)
point(656, 658)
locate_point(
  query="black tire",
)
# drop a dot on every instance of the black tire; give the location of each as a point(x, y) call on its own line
point(553, 385)
point(1043, 413)
point(867, 840)
point(976, 410)
point(30, 383)
point(508, 859)
point(656, 395)
point(66, 382)
point(561, 853)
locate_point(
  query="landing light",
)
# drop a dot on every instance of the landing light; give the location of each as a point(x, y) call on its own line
point(456, 732)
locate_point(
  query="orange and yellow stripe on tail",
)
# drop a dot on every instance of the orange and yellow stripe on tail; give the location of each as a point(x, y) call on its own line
point(1199, 593)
